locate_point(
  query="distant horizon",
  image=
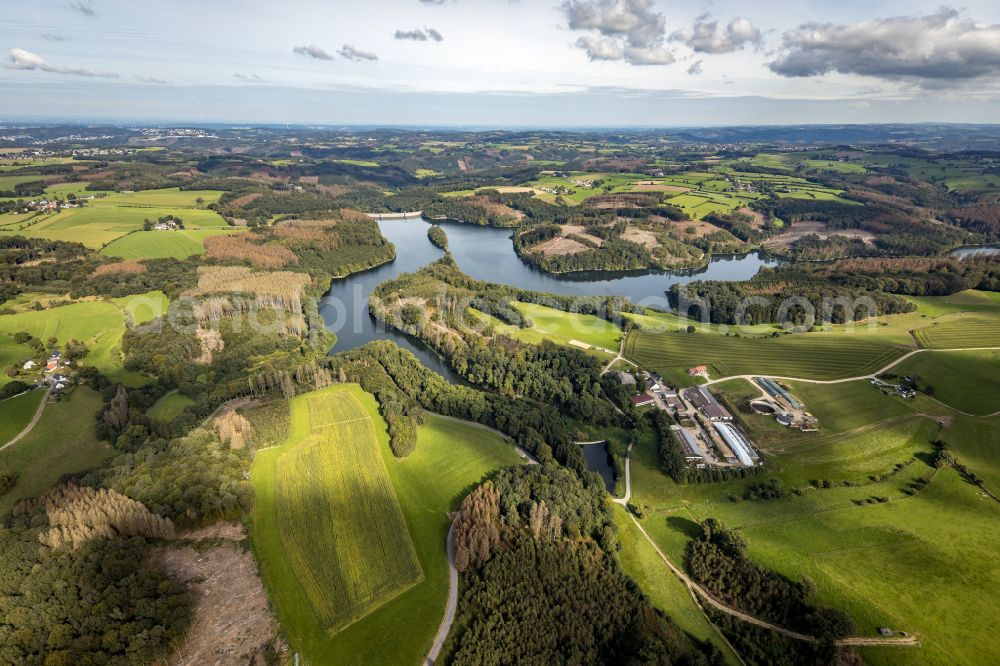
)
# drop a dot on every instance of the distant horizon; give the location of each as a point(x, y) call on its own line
point(167, 123)
point(492, 63)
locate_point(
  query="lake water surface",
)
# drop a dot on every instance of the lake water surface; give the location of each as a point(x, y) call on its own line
point(486, 253)
point(975, 251)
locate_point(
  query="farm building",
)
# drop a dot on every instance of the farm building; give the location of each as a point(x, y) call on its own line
point(692, 447)
point(29, 365)
point(642, 399)
point(776, 391)
point(625, 378)
point(738, 442)
point(706, 403)
point(672, 400)
point(698, 371)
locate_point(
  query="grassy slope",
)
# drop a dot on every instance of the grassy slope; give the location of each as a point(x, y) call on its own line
point(16, 413)
point(561, 327)
point(61, 443)
point(807, 355)
point(886, 564)
point(99, 324)
point(665, 591)
point(12, 353)
point(179, 244)
point(450, 459)
point(169, 406)
point(969, 381)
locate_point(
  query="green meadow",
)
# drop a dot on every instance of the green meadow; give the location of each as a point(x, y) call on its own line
point(885, 561)
point(61, 443)
point(804, 355)
point(966, 380)
point(178, 244)
point(109, 216)
point(449, 459)
point(12, 354)
point(98, 324)
point(169, 406)
point(16, 413)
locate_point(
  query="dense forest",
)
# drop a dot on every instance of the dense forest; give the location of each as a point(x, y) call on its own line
point(537, 587)
point(842, 291)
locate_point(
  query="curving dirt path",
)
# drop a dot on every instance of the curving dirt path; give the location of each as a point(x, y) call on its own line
point(628, 480)
point(34, 421)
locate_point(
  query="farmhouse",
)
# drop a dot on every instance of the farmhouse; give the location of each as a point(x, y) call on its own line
point(706, 403)
point(641, 399)
point(698, 371)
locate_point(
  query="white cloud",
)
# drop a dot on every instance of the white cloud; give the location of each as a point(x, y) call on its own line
point(931, 50)
point(601, 49)
point(25, 60)
point(629, 30)
point(312, 51)
point(705, 37)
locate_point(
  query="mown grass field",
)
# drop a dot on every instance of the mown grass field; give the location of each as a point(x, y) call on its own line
point(16, 413)
point(169, 406)
point(172, 197)
point(806, 356)
point(450, 458)
point(561, 327)
point(966, 380)
point(179, 244)
point(62, 442)
point(965, 331)
point(340, 524)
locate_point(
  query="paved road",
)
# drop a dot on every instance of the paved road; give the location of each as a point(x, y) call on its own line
point(34, 420)
point(449, 610)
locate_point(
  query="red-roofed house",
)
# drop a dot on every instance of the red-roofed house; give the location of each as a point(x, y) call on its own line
point(641, 399)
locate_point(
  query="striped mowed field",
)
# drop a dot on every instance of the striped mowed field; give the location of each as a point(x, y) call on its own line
point(805, 356)
point(339, 521)
point(966, 331)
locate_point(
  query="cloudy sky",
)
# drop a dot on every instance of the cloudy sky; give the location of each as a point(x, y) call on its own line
point(501, 62)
